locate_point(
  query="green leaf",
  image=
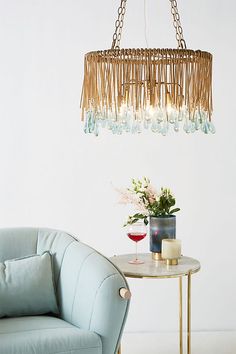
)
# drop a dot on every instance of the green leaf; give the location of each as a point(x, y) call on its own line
point(174, 210)
point(139, 216)
point(134, 220)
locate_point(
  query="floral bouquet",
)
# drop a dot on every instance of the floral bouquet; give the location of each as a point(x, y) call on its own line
point(147, 201)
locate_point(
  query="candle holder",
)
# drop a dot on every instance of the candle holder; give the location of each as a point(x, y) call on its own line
point(172, 261)
point(171, 251)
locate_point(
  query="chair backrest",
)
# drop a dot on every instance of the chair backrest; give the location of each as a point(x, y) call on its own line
point(17, 242)
point(21, 242)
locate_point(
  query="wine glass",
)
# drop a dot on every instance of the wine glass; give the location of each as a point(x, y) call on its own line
point(136, 232)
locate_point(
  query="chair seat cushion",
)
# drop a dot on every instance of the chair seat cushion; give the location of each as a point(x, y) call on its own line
point(45, 335)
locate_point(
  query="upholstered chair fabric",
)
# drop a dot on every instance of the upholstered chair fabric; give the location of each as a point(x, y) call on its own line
point(92, 313)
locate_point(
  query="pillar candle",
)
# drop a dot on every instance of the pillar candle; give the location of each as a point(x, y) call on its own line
point(171, 249)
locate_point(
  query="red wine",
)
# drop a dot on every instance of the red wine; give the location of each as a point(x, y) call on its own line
point(136, 236)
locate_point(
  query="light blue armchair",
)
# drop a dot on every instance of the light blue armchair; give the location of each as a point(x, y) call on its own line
point(92, 312)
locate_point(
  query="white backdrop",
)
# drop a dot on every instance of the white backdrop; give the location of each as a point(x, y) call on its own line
point(54, 175)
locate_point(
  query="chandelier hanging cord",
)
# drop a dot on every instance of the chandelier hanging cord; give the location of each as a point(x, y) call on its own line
point(177, 25)
point(120, 23)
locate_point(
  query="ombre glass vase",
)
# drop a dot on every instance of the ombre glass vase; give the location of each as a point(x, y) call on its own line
point(161, 227)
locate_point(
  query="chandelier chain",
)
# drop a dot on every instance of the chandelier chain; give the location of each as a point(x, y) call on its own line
point(119, 25)
point(177, 25)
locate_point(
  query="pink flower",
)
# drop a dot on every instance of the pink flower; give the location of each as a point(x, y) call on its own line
point(151, 200)
point(129, 197)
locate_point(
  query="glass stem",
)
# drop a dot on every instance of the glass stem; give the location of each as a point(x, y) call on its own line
point(136, 251)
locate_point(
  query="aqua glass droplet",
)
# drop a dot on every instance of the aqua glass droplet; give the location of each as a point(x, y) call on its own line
point(114, 128)
point(154, 126)
point(197, 124)
point(159, 127)
point(192, 129)
point(164, 129)
point(91, 122)
point(211, 127)
point(160, 115)
point(86, 123)
point(139, 128)
point(182, 114)
point(187, 126)
point(134, 127)
point(172, 117)
point(96, 129)
point(119, 129)
point(204, 127)
point(127, 127)
point(146, 124)
point(176, 126)
point(109, 124)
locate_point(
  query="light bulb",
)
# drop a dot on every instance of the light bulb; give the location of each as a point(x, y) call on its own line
point(123, 109)
point(169, 107)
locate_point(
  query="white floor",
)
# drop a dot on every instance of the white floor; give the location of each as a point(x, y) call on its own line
point(167, 343)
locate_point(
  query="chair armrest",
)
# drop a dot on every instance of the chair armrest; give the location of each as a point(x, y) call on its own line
point(89, 294)
point(109, 312)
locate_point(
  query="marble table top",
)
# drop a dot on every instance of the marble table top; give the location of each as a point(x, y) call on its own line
point(154, 269)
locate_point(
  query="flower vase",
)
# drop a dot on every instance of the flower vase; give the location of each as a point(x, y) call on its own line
point(161, 227)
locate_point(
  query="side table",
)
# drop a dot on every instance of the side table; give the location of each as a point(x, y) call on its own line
point(159, 270)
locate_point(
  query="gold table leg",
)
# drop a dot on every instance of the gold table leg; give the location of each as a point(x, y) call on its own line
point(189, 315)
point(180, 316)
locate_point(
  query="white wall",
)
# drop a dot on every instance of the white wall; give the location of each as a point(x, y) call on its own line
point(54, 175)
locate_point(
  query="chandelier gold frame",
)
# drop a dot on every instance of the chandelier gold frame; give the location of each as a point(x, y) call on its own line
point(126, 90)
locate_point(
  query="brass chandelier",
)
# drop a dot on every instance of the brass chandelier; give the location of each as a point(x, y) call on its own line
point(128, 90)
